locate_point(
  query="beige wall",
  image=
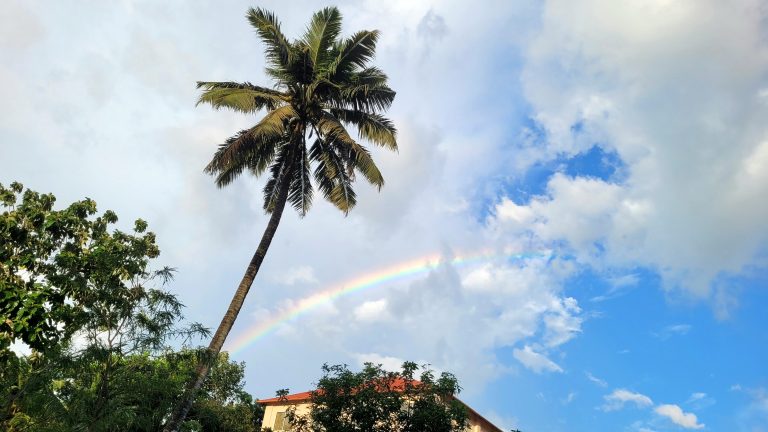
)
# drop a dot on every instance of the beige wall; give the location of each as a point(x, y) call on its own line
point(477, 424)
point(270, 412)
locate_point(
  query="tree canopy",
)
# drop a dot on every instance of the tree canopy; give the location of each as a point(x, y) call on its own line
point(101, 327)
point(376, 400)
point(323, 84)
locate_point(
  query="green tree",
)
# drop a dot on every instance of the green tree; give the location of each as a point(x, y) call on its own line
point(81, 294)
point(322, 85)
point(375, 400)
point(70, 393)
point(222, 404)
point(67, 275)
point(42, 264)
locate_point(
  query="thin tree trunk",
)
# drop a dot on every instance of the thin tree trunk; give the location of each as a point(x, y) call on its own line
point(204, 365)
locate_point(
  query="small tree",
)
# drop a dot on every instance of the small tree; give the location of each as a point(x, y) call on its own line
point(375, 400)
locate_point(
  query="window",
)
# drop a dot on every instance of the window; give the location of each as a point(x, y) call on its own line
point(281, 423)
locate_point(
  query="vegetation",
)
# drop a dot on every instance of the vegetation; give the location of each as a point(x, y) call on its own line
point(379, 401)
point(98, 322)
point(322, 85)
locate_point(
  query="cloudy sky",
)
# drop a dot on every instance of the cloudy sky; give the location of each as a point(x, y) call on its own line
point(620, 147)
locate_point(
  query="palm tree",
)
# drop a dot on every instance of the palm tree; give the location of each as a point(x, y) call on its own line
point(323, 85)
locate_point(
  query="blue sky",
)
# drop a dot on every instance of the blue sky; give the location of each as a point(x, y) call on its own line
point(624, 142)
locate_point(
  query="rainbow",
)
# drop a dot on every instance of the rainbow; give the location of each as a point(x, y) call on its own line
point(366, 281)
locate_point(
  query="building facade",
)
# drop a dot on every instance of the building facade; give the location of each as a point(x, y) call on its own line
point(275, 409)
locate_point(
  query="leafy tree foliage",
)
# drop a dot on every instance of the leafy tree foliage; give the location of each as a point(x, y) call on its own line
point(379, 401)
point(70, 394)
point(61, 269)
point(99, 323)
point(222, 404)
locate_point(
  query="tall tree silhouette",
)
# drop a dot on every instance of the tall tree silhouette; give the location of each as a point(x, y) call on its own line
point(323, 84)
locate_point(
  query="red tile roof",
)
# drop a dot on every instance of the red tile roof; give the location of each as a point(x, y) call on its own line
point(398, 384)
point(294, 398)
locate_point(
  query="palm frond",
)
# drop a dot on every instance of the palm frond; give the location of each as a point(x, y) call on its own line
point(371, 76)
point(279, 173)
point(321, 33)
point(275, 122)
point(254, 153)
point(242, 97)
point(278, 49)
point(371, 126)
point(354, 52)
point(300, 192)
point(252, 149)
point(367, 98)
point(271, 128)
point(331, 177)
point(335, 134)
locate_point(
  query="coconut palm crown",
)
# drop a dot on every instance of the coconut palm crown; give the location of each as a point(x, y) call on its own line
point(323, 85)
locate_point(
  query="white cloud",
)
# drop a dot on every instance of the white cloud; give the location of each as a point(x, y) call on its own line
point(677, 416)
point(699, 401)
point(595, 379)
point(19, 27)
point(389, 363)
point(580, 70)
point(374, 310)
point(508, 211)
point(564, 324)
point(535, 361)
point(300, 274)
point(619, 397)
point(673, 330)
point(620, 285)
point(754, 415)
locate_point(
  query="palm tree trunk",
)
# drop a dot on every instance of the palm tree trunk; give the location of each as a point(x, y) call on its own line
point(204, 365)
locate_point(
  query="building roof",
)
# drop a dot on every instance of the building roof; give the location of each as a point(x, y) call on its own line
point(398, 384)
point(291, 398)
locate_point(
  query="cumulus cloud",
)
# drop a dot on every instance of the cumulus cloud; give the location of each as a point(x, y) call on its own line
point(619, 81)
point(535, 361)
point(678, 416)
point(620, 397)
